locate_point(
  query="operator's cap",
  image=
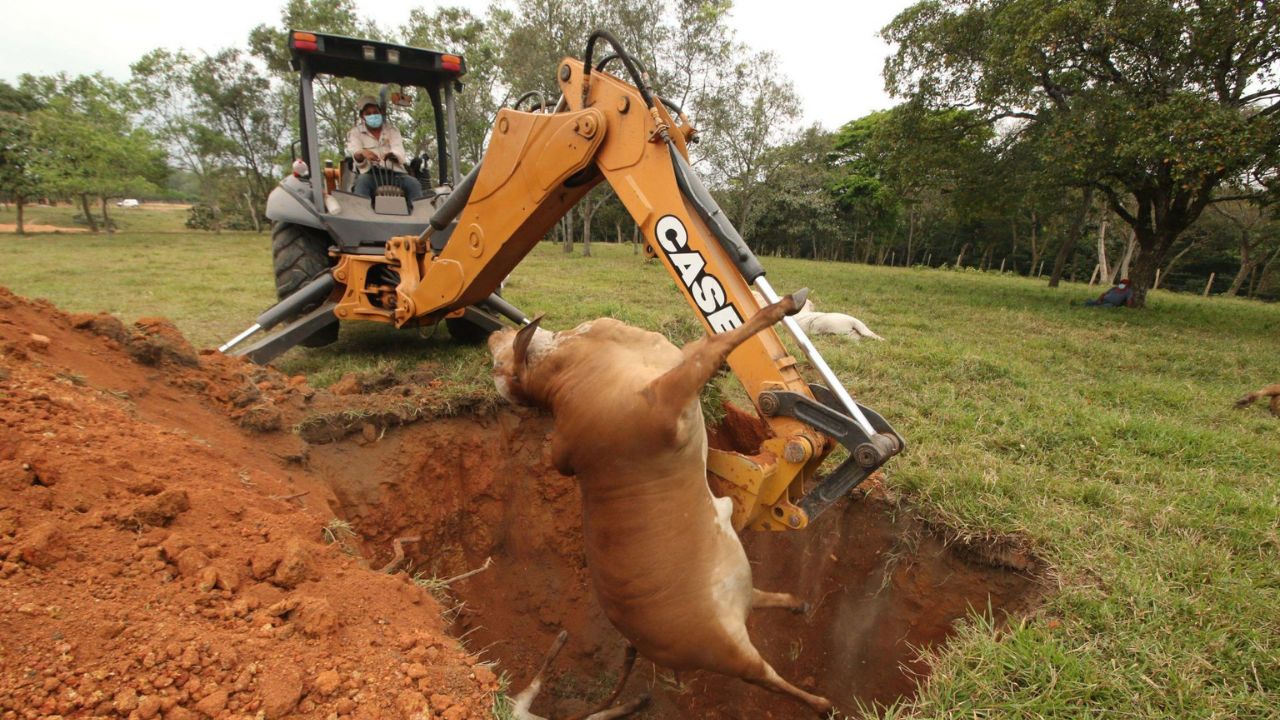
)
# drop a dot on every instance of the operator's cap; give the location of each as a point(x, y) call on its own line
point(365, 101)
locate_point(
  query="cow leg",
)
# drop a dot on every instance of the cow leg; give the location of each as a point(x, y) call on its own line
point(770, 680)
point(522, 702)
point(762, 599)
point(703, 357)
point(620, 711)
point(605, 710)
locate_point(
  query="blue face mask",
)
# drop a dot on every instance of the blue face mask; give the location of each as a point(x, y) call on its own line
point(373, 121)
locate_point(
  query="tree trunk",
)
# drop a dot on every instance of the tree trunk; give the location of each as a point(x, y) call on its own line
point(1102, 250)
point(1036, 249)
point(588, 212)
point(1072, 240)
point(566, 234)
point(635, 239)
point(911, 234)
point(1246, 264)
point(1144, 270)
point(253, 211)
point(1265, 275)
point(960, 258)
point(88, 214)
point(106, 221)
point(19, 202)
point(1129, 251)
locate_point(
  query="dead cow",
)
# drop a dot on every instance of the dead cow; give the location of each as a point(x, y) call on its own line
point(668, 568)
point(828, 323)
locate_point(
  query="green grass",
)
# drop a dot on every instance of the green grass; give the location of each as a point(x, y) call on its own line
point(1106, 437)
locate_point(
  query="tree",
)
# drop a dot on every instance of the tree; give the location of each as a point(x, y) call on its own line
point(18, 181)
point(241, 123)
point(1255, 236)
point(1153, 103)
point(86, 144)
point(801, 216)
point(335, 98)
point(747, 117)
point(176, 115)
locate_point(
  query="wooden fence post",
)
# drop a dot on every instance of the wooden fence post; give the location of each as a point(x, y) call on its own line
point(1209, 284)
point(928, 259)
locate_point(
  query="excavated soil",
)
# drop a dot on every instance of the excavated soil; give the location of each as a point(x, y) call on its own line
point(162, 558)
point(174, 529)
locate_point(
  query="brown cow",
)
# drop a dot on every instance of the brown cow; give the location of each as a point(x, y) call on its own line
point(668, 568)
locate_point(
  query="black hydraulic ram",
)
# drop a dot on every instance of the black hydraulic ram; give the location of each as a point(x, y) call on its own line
point(309, 295)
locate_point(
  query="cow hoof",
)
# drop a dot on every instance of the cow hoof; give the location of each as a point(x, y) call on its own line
point(797, 298)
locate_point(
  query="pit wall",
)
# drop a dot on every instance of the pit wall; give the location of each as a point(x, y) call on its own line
point(883, 583)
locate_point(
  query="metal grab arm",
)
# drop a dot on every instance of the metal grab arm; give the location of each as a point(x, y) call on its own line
point(815, 359)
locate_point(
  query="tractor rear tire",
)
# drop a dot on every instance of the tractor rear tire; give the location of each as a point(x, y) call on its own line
point(465, 332)
point(299, 254)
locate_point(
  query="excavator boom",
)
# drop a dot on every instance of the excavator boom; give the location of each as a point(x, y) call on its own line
point(538, 165)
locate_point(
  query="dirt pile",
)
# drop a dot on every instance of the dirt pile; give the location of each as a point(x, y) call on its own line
point(160, 561)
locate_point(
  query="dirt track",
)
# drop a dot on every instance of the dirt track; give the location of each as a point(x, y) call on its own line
point(164, 550)
point(31, 228)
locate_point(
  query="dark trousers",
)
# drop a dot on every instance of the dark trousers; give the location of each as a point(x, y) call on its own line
point(368, 183)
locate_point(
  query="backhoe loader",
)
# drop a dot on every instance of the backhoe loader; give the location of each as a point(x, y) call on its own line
point(445, 258)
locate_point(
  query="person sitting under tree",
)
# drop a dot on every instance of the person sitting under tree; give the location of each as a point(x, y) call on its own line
point(377, 149)
point(1119, 296)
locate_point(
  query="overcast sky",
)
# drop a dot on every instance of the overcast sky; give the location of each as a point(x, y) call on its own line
point(829, 49)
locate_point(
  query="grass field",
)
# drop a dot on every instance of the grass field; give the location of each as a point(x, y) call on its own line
point(1107, 438)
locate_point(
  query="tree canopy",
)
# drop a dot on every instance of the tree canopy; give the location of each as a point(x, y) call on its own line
point(1153, 103)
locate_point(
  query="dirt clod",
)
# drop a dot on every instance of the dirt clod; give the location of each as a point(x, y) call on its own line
point(262, 418)
point(43, 546)
point(294, 566)
point(159, 510)
point(281, 688)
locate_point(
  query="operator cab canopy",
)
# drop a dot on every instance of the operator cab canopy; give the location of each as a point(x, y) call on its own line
point(372, 61)
point(314, 53)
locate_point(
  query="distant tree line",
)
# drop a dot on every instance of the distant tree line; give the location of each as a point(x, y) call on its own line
point(1033, 136)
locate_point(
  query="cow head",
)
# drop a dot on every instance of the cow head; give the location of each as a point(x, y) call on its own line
point(514, 354)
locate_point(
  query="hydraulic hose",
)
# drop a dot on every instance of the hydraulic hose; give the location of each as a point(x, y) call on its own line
point(632, 67)
point(542, 101)
point(670, 105)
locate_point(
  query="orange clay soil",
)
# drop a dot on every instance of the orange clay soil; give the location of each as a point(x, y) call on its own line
point(160, 560)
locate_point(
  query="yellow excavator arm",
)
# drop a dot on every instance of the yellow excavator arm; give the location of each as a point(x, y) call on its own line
point(538, 165)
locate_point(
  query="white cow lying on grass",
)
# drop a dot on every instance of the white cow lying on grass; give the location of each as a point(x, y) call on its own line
point(827, 323)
